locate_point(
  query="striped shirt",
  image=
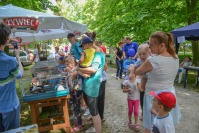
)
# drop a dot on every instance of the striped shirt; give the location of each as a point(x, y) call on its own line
point(9, 71)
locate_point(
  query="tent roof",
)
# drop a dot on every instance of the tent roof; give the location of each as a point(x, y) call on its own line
point(190, 30)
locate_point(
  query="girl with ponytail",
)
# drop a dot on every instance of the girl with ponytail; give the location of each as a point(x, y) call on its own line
point(162, 69)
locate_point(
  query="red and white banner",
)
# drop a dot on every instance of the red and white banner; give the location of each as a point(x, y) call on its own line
point(22, 22)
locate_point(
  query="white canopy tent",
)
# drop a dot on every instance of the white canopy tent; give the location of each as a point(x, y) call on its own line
point(42, 35)
point(24, 20)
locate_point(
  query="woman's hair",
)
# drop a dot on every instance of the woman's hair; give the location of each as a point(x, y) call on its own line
point(92, 35)
point(189, 58)
point(120, 43)
point(4, 34)
point(167, 39)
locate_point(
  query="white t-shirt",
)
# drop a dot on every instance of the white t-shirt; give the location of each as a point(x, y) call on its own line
point(57, 56)
point(162, 75)
point(186, 64)
point(135, 93)
point(104, 76)
point(163, 125)
point(37, 55)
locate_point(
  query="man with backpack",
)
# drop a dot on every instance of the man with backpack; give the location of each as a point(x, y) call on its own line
point(130, 48)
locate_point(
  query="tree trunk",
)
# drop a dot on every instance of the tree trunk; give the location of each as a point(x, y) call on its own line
point(195, 50)
point(192, 10)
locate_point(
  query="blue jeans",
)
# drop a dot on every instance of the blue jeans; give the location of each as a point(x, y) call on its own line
point(10, 120)
point(119, 68)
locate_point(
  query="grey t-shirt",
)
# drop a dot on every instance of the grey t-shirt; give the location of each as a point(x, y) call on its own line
point(135, 93)
point(162, 75)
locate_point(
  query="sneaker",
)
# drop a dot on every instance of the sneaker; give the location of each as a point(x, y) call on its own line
point(117, 78)
point(87, 112)
point(76, 129)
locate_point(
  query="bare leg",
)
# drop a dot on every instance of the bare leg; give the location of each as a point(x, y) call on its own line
point(130, 119)
point(136, 120)
point(97, 123)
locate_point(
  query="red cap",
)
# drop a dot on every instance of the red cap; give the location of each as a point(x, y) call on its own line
point(165, 97)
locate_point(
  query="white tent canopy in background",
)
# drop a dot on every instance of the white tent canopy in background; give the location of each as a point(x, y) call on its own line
point(24, 20)
point(42, 35)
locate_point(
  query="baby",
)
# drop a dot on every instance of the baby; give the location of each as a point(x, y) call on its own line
point(87, 54)
point(144, 54)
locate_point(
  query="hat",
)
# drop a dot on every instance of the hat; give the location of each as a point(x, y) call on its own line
point(70, 35)
point(165, 97)
point(61, 58)
point(86, 40)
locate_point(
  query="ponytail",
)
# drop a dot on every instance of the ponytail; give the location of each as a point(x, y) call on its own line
point(170, 45)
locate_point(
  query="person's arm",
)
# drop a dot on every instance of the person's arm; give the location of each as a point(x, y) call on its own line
point(116, 54)
point(145, 67)
point(181, 64)
point(105, 66)
point(84, 74)
point(88, 70)
point(18, 73)
point(136, 56)
point(82, 57)
point(124, 53)
point(139, 87)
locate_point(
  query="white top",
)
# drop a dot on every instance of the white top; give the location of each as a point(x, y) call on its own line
point(57, 56)
point(162, 75)
point(186, 64)
point(135, 93)
point(37, 55)
point(163, 125)
point(104, 76)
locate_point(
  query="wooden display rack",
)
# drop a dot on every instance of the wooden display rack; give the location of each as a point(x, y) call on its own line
point(57, 101)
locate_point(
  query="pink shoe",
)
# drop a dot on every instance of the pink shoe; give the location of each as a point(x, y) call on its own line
point(131, 126)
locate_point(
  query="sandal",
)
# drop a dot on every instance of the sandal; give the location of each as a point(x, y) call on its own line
point(131, 126)
point(137, 128)
point(76, 129)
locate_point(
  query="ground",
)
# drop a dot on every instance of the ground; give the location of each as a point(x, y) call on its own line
point(116, 108)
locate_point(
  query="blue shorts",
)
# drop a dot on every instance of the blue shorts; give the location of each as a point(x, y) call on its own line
point(10, 120)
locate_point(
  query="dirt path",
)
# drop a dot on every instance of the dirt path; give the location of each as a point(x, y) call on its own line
point(116, 108)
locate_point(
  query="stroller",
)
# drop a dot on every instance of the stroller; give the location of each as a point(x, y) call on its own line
point(126, 64)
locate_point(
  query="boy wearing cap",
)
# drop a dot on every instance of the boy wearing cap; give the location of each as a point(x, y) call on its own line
point(87, 54)
point(61, 64)
point(163, 103)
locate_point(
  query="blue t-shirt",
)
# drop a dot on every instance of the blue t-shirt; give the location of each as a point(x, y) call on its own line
point(128, 47)
point(91, 85)
point(76, 50)
point(9, 70)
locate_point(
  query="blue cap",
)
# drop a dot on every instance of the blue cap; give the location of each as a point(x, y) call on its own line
point(61, 58)
point(86, 40)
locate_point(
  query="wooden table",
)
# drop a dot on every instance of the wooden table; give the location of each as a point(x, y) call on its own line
point(186, 74)
point(63, 107)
